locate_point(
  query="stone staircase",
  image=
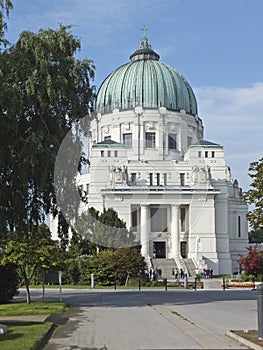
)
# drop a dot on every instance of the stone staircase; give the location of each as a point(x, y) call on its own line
point(190, 267)
point(166, 265)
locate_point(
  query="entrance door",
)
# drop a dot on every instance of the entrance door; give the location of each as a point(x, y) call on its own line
point(184, 249)
point(159, 248)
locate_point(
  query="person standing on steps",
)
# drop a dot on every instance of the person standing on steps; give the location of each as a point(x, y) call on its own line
point(181, 273)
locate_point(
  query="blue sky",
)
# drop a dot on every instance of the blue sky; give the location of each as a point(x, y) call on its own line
point(216, 44)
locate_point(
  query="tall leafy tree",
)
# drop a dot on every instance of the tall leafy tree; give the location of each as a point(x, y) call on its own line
point(117, 265)
point(5, 7)
point(105, 230)
point(44, 90)
point(30, 251)
point(254, 195)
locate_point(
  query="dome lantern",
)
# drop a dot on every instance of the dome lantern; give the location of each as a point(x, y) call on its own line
point(144, 50)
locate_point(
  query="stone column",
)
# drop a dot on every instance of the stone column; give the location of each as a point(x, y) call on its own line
point(145, 231)
point(175, 234)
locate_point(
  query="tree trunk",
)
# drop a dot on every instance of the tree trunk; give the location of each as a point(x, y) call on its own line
point(28, 296)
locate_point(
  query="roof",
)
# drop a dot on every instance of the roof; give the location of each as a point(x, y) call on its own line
point(108, 144)
point(145, 82)
point(206, 144)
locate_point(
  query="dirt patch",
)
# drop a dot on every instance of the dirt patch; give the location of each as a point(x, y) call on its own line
point(250, 335)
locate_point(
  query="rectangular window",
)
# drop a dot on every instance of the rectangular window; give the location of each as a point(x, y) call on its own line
point(183, 219)
point(172, 141)
point(206, 154)
point(165, 179)
point(115, 153)
point(127, 140)
point(133, 178)
point(150, 140)
point(109, 153)
point(134, 219)
point(199, 154)
point(213, 154)
point(102, 153)
point(182, 179)
point(158, 179)
point(151, 179)
point(239, 226)
point(158, 219)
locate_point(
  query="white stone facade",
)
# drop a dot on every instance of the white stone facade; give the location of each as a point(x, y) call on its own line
point(150, 163)
point(173, 189)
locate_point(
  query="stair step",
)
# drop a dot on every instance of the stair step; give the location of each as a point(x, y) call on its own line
point(166, 265)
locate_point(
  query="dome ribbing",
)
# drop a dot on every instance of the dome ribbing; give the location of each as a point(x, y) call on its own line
point(145, 82)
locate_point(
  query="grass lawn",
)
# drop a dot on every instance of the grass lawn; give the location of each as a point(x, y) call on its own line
point(35, 308)
point(26, 335)
point(23, 335)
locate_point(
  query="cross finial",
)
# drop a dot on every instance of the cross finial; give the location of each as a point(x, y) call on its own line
point(144, 30)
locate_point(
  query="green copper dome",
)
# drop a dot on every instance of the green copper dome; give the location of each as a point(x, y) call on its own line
point(145, 82)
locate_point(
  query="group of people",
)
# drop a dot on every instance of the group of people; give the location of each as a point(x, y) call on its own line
point(155, 274)
point(207, 273)
point(178, 274)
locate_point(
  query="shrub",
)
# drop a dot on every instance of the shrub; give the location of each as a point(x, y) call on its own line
point(8, 282)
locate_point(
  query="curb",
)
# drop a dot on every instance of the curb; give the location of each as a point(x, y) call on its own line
point(244, 341)
point(43, 341)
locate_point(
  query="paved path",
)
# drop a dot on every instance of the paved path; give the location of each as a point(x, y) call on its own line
point(144, 320)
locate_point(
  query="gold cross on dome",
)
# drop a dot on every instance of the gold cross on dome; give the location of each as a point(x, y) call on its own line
point(144, 30)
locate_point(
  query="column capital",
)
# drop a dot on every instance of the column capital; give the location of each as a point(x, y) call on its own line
point(176, 206)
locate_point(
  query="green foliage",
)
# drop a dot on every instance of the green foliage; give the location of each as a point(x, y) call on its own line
point(8, 282)
point(72, 271)
point(5, 7)
point(102, 245)
point(245, 277)
point(256, 236)
point(105, 230)
point(255, 195)
point(107, 265)
point(44, 90)
point(30, 252)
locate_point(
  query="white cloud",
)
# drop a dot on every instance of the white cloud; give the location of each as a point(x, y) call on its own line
point(233, 117)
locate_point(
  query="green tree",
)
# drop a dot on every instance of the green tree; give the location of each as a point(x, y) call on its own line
point(256, 236)
point(254, 196)
point(105, 230)
point(5, 7)
point(44, 90)
point(128, 262)
point(111, 265)
point(31, 251)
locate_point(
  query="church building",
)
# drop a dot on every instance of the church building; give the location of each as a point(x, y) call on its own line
point(149, 161)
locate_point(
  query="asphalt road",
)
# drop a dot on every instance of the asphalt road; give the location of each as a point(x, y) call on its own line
point(150, 319)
